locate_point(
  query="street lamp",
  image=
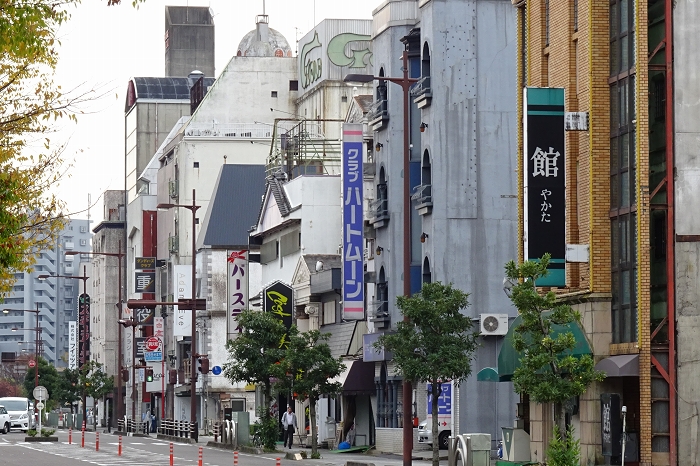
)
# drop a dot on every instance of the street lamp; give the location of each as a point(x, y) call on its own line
point(37, 337)
point(133, 324)
point(193, 351)
point(120, 362)
point(81, 335)
point(405, 82)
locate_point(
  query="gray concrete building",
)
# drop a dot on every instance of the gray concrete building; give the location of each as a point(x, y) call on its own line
point(463, 215)
point(56, 298)
point(189, 40)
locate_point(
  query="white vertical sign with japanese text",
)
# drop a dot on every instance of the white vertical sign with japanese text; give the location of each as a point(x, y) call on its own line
point(182, 286)
point(237, 263)
point(72, 345)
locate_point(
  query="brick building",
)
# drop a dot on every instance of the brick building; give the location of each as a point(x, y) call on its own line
point(613, 61)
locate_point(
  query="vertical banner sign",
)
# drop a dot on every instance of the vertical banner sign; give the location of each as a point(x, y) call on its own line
point(182, 287)
point(278, 299)
point(610, 424)
point(237, 264)
point(353, 242)
point(545, 181)
point(128, 345)
point(72, 345)
point(83, 329)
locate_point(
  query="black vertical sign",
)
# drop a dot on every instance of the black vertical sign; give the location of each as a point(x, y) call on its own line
point(545, 181)
point(278, 299)
point(610, 424)
point(83, 329)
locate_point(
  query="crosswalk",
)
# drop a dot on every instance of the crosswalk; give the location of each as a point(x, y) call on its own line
point(105, 457)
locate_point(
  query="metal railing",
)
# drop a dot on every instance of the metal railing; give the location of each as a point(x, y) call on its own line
point(226, 432)
point(421, 87)
point(174, 428)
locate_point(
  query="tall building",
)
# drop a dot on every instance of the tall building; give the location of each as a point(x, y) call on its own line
point(56, 298)
point(189, 40)
point(628, 72)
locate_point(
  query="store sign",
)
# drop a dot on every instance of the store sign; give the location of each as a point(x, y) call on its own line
point(145, 282)
point(72, 345)
point(545, 181)
point(353, 241)
point(182, 285)
point(278, 299)
point(144, 263)
point(237, 263)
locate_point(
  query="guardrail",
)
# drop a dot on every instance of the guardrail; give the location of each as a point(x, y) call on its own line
point(174, 428)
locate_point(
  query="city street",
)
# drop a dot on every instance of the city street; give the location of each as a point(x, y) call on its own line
point(140, 451)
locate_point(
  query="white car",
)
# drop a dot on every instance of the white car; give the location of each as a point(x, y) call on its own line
point(4, 420)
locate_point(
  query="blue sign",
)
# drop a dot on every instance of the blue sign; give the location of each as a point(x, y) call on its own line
point(353, 241)
point(216, 370)
point(153, 356)
point(444, 400)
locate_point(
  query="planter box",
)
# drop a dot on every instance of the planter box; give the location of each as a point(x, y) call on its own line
point(41, 439)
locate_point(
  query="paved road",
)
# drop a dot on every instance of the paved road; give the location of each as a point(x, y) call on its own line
point(138, 451)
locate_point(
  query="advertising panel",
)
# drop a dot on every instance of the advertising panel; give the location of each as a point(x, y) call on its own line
point(353, 226)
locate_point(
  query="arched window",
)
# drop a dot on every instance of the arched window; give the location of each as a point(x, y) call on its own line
point(421, 90)
point(427, 274)
point(381, 314)
point(381, 204)
point(380, 108)
point(425, 62)
point(424, 192)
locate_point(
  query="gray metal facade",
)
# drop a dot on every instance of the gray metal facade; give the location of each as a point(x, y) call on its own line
point(470, 144)
point(189, 40)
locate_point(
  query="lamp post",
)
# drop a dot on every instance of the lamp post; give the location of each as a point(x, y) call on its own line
point(37, 337)
point(133, 324)
point(193, 351)
point(84, 278)
point(405, 82)
point(119, 255)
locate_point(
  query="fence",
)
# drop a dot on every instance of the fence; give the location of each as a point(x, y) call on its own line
point(173, 428)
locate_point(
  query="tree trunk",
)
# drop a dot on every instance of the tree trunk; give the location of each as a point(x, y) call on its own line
point(314, 437)
point(435, 389)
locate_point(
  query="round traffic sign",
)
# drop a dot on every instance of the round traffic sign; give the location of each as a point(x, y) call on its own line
point(31, 363)
point(40, 393)
point(152, 344)
point(40, 405)
point(216, 370)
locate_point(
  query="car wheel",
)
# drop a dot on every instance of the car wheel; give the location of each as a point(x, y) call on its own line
point(6, 428)
point(443, 440)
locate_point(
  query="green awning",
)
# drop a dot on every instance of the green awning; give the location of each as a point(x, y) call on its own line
point(509, 359)
point(487, 374)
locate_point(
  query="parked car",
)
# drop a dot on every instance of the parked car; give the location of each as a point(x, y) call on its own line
point(20, 409)
point(4, 420)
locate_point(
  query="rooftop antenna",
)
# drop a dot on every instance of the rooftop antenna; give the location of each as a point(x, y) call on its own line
point(263, 7)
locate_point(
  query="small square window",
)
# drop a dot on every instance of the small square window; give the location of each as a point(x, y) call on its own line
point(294, 85)
point(196, 221)
point(344, 98)
point(274, 94)
point(196, 165)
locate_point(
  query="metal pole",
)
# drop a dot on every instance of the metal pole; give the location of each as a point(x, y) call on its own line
point(624, 429)
point(407, 390)
point(36, 348)
point(120, 400)
point(83, 395)
point(193, 352)
point(133, 370)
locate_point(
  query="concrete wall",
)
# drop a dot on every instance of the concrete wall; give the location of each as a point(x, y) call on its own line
point(687, 200)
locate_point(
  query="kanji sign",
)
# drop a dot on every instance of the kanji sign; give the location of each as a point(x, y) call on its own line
point(144, 316)
point(544, 181)
point(353, 242)
point(145, 282)
point(237, 287)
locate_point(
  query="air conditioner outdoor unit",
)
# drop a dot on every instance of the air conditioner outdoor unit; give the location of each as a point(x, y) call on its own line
point(494, 324)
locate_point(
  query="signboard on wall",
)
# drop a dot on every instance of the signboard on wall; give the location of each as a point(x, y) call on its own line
point(237, 264)
point(182, 286)
point(278, 299)
point(545, 181)
point(72, 345)
point(353, 241)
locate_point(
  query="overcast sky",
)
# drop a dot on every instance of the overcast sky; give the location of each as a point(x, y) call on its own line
point(103, 47)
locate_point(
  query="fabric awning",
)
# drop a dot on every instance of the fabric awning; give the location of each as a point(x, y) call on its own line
point(487, 374)
point(509, 359)
point(357, 378)
point(622, 365)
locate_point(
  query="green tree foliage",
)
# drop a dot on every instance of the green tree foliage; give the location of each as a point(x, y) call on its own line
point(435, 344)
point(92, 379)
point(309, 369)
point(563, 450)
point(548, 371)
point(254, 355)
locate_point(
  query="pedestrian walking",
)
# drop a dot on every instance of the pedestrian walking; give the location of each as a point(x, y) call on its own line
point(289, 424)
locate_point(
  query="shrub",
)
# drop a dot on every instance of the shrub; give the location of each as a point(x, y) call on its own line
point(563, 451)
point(32, 432)
point(315, 455)
point(47, 432)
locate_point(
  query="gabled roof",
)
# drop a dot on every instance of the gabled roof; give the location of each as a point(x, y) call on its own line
point(273, 187)
point(234, 205)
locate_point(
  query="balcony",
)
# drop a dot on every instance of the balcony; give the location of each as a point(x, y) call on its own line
point(379, 212)
point(380, 315)
point(422, 92)
point(378, 115)
point(423, 198)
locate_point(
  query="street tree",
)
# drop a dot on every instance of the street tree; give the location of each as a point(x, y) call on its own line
point(254, 356)
point(8, 387)
point(548, 371)
point(309, 370)
point(48, 377)
point(434, 343)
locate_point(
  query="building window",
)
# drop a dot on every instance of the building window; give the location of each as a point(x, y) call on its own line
point(293, 85)
point(328, 313)
point(546, 23)
point(196, 165)
point(427, 275)
point(623, 164)
point(273, 94)
point(575, 15)
point(344, 98)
